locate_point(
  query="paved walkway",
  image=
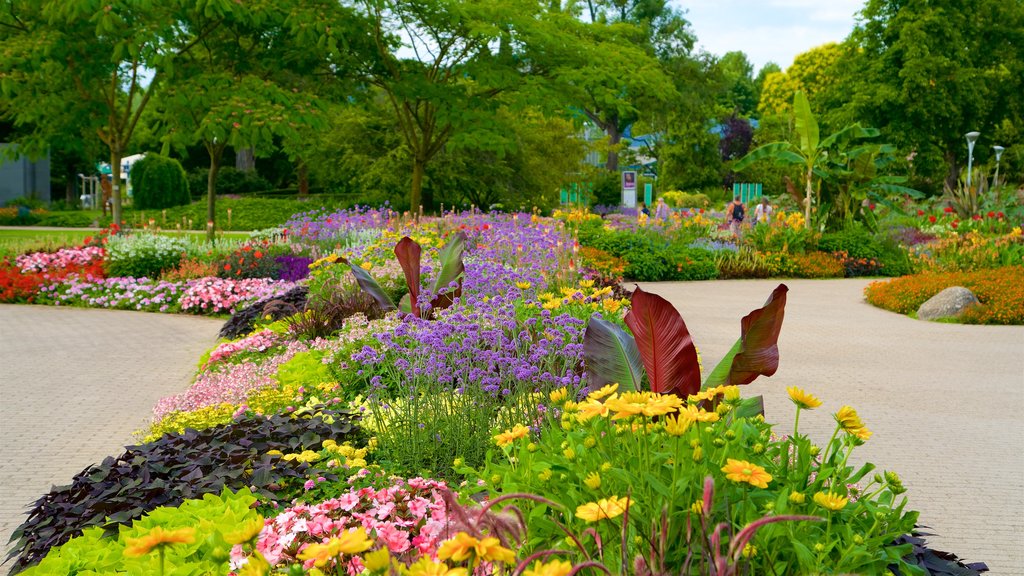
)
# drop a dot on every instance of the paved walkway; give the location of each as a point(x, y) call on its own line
point(945, 401)
point(75, 384)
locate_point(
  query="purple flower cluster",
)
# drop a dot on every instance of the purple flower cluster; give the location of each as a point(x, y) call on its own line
point(322, 224)
point(714, 245)
point(293, 268)
point(479, 341)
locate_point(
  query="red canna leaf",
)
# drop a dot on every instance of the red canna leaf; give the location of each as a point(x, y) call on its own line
point(665, 345)
point(408, 253)
point(756, 353)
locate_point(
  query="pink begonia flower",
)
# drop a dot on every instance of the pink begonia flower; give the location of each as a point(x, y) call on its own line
point(348, 501)
point(396, 540)
point(418, 507)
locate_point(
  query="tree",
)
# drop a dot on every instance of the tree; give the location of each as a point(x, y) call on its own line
point(812, 72)
point(620, 76)
point(447, 83)
point(810, 153)
point(93, 59)
point(927, 72)
point(740, 95)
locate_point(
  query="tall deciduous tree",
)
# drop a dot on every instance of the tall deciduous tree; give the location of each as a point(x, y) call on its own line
point(928, 71)
point(105, 61)
point(445, 67)
point(252, 83)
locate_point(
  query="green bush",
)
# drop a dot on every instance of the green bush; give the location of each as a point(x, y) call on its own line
point(20, 216)
point(678, 199)
point(30, 203)
point(246, 213)
point(856, 241)
point(229, 181)
point(691, 264)
point(159, 182)
point(75, 219)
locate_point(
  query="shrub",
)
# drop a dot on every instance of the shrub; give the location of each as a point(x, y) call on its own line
point(1000, 291)
point(21, 216)
point(692, 264)
point(229, 181)
point(159, 182)
point(172, 469)
point(74, 219)
point(678, 199)
point(143, 255)
point(856, 241)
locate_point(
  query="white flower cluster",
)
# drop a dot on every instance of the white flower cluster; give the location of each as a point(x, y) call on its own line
point(145, 246)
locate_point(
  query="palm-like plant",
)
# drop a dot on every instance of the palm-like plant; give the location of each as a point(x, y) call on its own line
point(812, 151)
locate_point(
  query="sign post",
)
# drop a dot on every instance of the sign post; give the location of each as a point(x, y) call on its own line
point(648, 193)
point(629, 189)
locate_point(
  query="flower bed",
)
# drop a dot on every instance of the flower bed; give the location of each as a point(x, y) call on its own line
point(513, 374)
point(1000, 291)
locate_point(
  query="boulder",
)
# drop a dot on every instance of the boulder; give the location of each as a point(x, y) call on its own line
point(950, 303)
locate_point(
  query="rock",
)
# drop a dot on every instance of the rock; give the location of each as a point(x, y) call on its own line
point(950, 303)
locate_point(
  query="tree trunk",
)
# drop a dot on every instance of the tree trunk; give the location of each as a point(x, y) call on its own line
point(69, 189)
point(303, 173)
point(115, 183)
point(954, 170)
point(614, 137)
point(418, 168)
point(211, 194)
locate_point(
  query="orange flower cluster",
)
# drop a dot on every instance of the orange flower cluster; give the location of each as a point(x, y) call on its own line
point(1000, 290)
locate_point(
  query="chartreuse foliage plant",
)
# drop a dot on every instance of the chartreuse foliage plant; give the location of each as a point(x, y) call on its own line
point(176, 467)
point(193, 538)
point(626, 469)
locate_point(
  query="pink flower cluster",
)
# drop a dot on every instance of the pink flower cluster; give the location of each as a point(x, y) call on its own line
point(59, 260)
point(228, 382)
point(259, 341)
point(410, 518)
point(212, 294)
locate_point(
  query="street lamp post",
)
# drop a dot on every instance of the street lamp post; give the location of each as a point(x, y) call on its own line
point(999, 153)
point(972, 137)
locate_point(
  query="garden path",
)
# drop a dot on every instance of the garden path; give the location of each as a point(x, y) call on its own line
point(945, 401)
point(75, 384)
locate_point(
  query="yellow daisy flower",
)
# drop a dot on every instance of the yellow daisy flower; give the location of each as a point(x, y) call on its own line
point(603, 509)
point(743, 471)
point(802, 399)
point(830, 501)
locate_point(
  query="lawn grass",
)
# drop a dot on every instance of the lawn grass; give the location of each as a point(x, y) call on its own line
point(21, 241)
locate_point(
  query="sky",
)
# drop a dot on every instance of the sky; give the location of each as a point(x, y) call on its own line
point(769, 30)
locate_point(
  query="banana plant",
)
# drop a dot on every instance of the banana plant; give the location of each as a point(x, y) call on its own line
point(409, 253)
point(661, 349)
point(812, 151)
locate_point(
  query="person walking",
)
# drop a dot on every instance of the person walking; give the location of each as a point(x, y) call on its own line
point(734, 214)
point(763, 212)
point(661, 210)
